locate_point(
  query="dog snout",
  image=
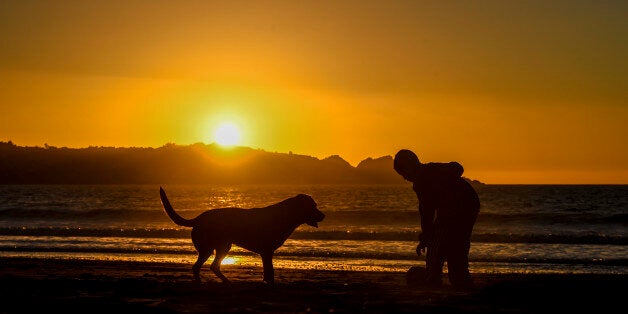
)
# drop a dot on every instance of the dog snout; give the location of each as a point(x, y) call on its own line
point(321, 216)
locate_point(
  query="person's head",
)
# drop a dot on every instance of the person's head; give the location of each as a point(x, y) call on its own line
point(406, 163)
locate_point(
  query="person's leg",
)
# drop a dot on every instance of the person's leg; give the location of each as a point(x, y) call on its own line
point(458, 264)
point(458, 253)
point(435, 257)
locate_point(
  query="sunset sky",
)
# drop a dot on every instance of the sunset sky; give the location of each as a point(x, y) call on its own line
point(516, 91)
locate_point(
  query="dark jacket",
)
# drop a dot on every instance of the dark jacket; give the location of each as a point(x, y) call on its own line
point(444, 194)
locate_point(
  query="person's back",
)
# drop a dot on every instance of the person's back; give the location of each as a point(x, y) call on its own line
point(441, 185)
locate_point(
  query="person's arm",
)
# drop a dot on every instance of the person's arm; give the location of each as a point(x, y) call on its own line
point(427, 227)
point(427, 218)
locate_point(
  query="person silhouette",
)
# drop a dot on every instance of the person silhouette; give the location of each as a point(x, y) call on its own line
point(448, 209)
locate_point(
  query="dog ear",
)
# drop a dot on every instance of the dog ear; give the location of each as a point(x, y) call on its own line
point(304, 198)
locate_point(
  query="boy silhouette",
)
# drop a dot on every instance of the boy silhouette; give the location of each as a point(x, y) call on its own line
point(448, 207)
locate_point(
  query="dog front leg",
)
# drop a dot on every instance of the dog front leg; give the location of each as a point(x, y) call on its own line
point(269, 271)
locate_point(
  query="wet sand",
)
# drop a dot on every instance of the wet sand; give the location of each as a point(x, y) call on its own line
point(64, 286)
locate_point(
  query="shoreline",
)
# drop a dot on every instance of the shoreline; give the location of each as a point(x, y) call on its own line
point(331, 262)
point(32, 284)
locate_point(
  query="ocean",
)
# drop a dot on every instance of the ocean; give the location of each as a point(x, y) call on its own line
point(520, 228)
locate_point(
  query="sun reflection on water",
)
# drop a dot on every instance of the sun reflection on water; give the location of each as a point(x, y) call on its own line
point(229, 261)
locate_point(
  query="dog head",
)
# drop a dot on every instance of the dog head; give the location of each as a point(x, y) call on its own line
point(307, 208)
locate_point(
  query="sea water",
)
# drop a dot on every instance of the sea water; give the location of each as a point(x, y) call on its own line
point(520, 228)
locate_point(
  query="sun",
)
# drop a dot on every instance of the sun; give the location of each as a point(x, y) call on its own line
point(227, 134)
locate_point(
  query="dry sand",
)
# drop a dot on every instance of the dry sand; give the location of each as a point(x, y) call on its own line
point(63, 286)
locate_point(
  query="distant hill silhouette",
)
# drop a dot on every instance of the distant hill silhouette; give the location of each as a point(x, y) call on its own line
point(193, 164)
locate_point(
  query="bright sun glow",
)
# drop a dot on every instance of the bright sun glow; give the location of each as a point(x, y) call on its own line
point(227, 134)
point(229, 261)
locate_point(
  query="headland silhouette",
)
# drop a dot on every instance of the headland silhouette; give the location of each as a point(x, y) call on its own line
point(183, 164)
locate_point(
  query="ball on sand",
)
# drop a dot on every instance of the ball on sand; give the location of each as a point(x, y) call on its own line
point(416, 276)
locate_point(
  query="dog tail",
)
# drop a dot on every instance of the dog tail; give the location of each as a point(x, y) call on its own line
point(171, 213)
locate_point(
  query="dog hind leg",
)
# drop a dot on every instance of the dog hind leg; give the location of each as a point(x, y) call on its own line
point(221, 253)
point(202, 258)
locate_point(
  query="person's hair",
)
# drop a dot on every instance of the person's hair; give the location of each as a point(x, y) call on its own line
point(403, 158)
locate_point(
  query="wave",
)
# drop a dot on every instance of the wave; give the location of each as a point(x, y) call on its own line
point(318, 254)
point(320, 235)
point(65, 213)
point(342, 217)
point(553, 218)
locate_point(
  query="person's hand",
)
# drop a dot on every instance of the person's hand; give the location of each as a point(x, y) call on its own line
point(421, 248)
point(424, 240)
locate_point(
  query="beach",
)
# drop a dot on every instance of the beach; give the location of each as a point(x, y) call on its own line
point(111, 248)
point(65, 285)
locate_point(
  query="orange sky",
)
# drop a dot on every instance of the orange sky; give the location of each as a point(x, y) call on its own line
point(516, 91)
